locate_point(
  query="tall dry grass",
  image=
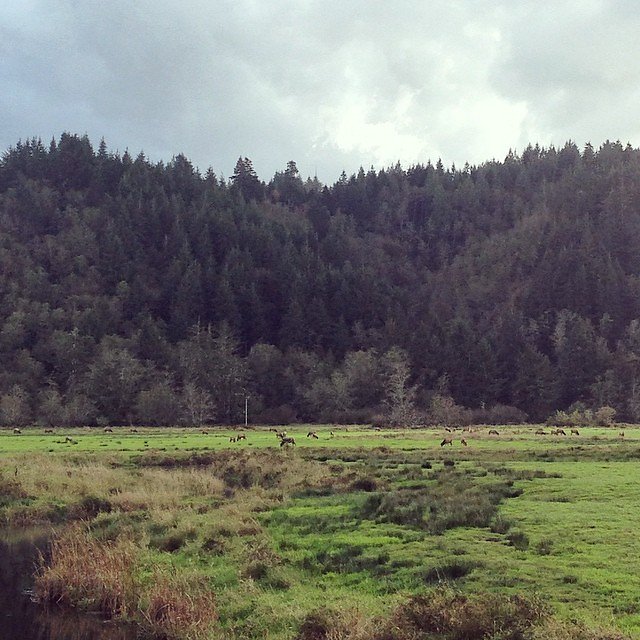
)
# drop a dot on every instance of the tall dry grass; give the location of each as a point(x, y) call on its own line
point(178, 606)
point(97, 576)
point(106, 577)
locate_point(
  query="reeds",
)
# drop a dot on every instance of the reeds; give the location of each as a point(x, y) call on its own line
point(105, 577)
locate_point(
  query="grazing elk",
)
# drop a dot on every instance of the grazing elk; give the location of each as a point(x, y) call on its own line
point(464, 442)
point(312, 434)
point(448, 430)
point(108, 430)
point(133, 430)
point(286, 441)
point(240, 436)
point(232, 439)
point(493, 432)
point(541, 432)
point(575, 432)
point(621, 434)
point(447, 441)
point(48, 430)
point(204, 432)
point(17, 431)
point(281, 434)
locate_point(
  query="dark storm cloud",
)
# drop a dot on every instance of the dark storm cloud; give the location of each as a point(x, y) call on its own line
point(329, 84)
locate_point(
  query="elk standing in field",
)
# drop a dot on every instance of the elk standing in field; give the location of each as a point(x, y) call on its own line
point(17, 431)
point(232, 439)
point(447, 441)
point(575, 432)
point(48, 430)
point(240, 436)
point(540, 432)
point(464, 442)
point(284, 442)
point(312, 434)
point(108, 430)
point(493, 432)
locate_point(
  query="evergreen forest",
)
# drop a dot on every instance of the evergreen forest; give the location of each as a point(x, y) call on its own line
point(134, 292)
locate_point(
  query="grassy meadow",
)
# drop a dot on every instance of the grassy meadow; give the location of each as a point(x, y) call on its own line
point(359, 533)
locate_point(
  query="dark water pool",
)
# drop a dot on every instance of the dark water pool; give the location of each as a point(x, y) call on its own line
point(22, 619)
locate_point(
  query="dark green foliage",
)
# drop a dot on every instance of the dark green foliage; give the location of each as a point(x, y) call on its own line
point(510, 288)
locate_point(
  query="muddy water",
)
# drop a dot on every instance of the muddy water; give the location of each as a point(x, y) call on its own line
point(22, 619)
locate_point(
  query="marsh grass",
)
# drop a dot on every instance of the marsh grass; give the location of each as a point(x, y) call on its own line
point(105, 577)
point(340, 521)
point(96, 576)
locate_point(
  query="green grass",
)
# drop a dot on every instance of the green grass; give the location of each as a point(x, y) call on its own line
point(334, 520)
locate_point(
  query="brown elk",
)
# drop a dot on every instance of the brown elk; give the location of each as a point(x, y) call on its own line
point(281, 434)
point(232, 439)
point(312, 434)
point(240, 436)
point(575, 432)
point(108, 430)
point(133, 430)
point(48, 430)
point(204, 432)
point(541, 432)
point(448, 430)
point(464, 442)
point(493, 432)
point(286, 441)
point(447, 441)
point(17, 431)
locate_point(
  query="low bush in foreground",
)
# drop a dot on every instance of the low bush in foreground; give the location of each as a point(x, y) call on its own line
point(445, 614)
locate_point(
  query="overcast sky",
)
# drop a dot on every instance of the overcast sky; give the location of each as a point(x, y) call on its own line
point(331, 84)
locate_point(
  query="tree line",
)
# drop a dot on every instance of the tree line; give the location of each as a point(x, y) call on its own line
point(134, 291)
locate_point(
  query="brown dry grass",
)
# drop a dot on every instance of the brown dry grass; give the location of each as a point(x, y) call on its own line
point(99, 576)
point(103, 576)
point(179, 606)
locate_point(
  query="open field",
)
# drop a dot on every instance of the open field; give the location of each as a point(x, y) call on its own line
point(352, 523)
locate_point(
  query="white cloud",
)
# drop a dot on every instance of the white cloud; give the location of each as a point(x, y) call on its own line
point(332, 85)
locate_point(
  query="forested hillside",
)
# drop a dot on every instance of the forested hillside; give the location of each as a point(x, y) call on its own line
point(140, 292)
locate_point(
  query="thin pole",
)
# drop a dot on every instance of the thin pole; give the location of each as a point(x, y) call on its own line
point(246, 410)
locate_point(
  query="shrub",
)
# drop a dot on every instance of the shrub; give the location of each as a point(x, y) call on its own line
point(544, 547)
point(331, 624)
point(500, 524)
point(450, 615)
point(519, 540)
point(450, 571)
point(89, 507)
point(499, 414)
point(605, 416)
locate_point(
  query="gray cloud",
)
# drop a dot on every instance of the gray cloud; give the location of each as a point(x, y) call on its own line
point(329, 84)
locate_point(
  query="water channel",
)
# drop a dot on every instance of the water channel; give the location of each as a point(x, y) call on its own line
point(23, 619)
